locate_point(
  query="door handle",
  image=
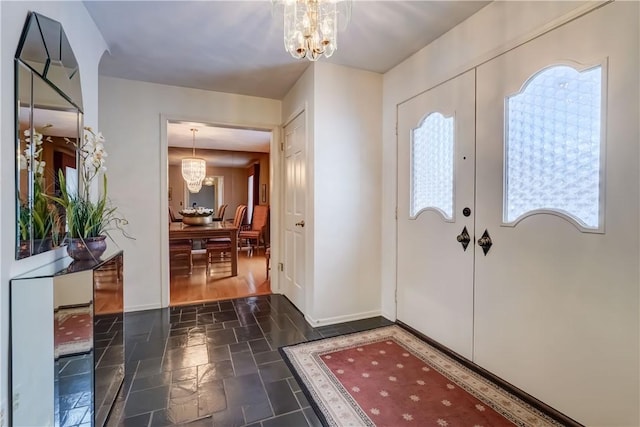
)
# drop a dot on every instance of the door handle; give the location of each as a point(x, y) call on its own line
point(300, 224)
point(485, 242)
point(464, 238)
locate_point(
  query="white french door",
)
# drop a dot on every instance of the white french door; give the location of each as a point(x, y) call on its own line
point(556, 307)
point(435, 272)
point(294, 211)
point(555, 300)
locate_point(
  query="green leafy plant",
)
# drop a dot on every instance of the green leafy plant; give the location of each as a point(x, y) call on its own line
point(38, 217)
point(85, 217)
point(45, 217)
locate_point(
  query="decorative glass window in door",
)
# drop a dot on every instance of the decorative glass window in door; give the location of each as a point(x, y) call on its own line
point(432, 166)
point(553, 147)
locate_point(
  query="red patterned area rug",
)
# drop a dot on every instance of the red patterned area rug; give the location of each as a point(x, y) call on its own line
point(73, 331)
point(389, 377)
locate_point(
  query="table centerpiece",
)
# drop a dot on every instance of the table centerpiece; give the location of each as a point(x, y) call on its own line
point(196, 216)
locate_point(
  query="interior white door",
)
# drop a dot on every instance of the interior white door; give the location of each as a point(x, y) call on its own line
point(435, 184)
point(294, 209)
point(556, 306)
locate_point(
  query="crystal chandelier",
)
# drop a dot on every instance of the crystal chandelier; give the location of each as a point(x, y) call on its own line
point(194, 187)
point(311, 26)
point(193, 168)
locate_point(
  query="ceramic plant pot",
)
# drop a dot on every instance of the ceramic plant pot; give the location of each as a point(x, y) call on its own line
point(87, 249)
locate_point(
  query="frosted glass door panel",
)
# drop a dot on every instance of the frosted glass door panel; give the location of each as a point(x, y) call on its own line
point(432, 166)
point(553, 146)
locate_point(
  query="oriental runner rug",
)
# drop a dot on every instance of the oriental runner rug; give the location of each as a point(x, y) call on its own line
point(389, 377)
point(73, 331)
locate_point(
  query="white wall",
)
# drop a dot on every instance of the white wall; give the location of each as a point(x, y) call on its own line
point(343, 126)
point(88, 47)
point(130, 119)
point(493, 29)
point(347, 180)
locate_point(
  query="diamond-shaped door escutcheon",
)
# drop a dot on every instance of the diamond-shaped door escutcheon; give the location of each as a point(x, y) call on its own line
point(485, 242)
point(464, 238)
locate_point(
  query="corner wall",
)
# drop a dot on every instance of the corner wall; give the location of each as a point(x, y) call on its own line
point(131, 120)
point(347, 180)
point(343, 126)
point(88, 47)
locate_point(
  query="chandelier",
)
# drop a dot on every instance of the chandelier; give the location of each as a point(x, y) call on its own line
point(311, 26)
point(194, 187)
point(193, 168)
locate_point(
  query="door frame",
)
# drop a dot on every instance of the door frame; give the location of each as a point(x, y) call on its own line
point(308, 238)
point(275, 192)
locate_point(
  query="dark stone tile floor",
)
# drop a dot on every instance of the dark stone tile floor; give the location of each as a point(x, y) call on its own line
point(217, 365)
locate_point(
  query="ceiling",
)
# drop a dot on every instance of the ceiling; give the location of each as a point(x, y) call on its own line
point(237, 47)
point(219, 146)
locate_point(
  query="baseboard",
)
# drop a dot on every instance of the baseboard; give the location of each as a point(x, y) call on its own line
point(390, 316)
point(143, 307)
point(522, 395)
point(341, 319)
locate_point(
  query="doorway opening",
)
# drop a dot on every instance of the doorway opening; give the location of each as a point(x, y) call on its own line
point(238, 160)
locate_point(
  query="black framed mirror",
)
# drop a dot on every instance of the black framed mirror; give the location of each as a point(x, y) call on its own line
point(48, 101)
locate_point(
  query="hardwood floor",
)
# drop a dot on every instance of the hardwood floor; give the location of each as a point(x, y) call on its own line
point(200, 286)
point(108, 292)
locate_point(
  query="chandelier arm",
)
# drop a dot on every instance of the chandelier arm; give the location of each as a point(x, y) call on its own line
point(311, 26)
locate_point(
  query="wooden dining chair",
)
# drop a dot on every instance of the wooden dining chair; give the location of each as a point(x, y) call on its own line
point(267, 256)
point(221, 211)
point(222, 246)
point(181, 247)
point(256, 232)
point(172, 216)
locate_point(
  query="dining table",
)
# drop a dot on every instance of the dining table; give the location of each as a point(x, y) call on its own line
point(180, 231)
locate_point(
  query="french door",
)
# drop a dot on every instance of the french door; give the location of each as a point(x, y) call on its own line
point(435, 272)
point(555, 299)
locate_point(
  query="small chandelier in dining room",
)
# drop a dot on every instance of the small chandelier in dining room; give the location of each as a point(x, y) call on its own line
point(194, 187)
point(194, 168)
point(311, 26)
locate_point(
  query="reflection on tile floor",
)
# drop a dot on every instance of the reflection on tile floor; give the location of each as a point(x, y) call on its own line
point(217, 364)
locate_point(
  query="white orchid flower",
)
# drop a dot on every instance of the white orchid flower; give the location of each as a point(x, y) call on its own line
point(22, 162)
point(38, 167)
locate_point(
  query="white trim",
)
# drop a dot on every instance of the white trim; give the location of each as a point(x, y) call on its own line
point(341, 319)
point(143, 307)
point(164, 212)
point(276, 214)
point(164, 189)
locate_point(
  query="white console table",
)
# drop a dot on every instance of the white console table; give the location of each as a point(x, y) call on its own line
point(67, 341)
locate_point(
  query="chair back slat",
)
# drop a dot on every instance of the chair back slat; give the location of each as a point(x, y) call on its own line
point(221, 211)
point(260, 215)
point(239, 216)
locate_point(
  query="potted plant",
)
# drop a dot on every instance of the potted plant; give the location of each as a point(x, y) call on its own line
point(38, 217)
point(89, 221)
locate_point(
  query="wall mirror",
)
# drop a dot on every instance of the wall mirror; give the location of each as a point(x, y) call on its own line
point(48, 100)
